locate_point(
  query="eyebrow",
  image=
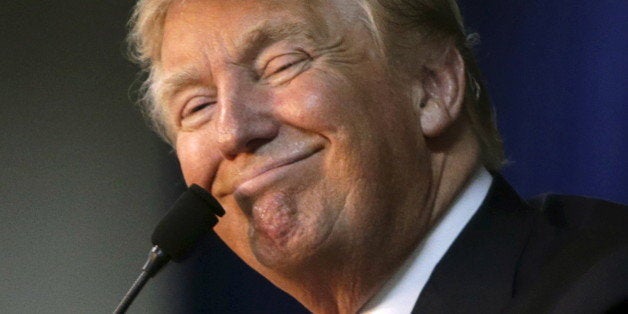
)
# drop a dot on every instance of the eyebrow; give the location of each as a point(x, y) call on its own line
point(172, 83)
point(268, 33)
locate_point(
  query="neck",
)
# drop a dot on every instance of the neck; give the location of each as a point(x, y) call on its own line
point(453, 164)
point(340, 286)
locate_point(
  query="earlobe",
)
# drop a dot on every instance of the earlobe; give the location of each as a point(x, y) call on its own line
point(443, 85)
point(434, 119)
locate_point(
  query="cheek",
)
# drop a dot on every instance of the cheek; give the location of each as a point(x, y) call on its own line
point(198, 163)
point(318, 104)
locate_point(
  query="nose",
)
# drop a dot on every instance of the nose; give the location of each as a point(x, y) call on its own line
point(245, 122)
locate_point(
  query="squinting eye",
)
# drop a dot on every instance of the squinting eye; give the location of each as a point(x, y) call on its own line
point(199, 108)
point(196, 112)
point(196, 106)
point(285, 66)
point(283, 62)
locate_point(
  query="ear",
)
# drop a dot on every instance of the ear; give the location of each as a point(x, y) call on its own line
point(443, 85)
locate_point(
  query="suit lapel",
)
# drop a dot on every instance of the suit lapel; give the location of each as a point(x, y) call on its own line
point(477, 272)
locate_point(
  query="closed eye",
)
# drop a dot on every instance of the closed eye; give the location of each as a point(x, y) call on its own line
point(282, 63)
point(197, 111)
point(286, 66)
point(196, 104)
point(200, 107)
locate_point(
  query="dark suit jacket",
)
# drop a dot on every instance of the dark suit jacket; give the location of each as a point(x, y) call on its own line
point(555, 254)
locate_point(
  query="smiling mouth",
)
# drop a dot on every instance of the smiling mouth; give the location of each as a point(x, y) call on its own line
point(271, 173)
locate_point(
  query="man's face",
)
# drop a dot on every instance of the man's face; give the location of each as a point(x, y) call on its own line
point(285, 111)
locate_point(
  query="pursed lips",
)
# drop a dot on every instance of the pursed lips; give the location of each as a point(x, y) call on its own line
point(257, 172)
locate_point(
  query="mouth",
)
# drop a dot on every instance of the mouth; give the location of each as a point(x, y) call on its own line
point(272, 172)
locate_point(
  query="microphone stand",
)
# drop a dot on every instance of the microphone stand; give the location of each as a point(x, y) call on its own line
point(156, 260)
point(193, 215)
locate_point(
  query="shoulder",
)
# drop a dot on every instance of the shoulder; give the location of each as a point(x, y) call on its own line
point(570, 212)
point(576, 256)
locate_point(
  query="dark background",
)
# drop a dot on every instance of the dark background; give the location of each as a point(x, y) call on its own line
point(83, 181)
point(558, 75)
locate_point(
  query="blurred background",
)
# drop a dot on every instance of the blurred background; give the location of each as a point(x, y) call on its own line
point(83, 181)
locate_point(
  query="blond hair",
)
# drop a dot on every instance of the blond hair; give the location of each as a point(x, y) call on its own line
point(435, 20)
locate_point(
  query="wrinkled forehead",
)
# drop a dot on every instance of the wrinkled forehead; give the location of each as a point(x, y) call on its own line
point(227, 24)
point(233, 19)
point(234, 26)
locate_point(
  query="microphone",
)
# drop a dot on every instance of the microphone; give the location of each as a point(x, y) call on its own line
point(192, 215)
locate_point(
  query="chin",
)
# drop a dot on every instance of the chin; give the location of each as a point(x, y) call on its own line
point(289, 242)
point(289, 252)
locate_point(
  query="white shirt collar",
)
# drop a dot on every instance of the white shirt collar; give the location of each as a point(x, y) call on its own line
point(400, 293)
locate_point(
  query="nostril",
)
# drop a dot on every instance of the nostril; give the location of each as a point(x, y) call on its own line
point(256, 143)
point(245, 136)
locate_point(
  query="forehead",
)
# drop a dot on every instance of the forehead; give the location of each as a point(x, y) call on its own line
point(234, 21)
point(196, 30)
point(229, 18)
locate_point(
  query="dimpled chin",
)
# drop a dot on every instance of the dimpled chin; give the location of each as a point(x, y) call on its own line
point(278, 237)
point(273, 219)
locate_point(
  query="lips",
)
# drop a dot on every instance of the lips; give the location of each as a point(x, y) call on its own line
point(259, 177)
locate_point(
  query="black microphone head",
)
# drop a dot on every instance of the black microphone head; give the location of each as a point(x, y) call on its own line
point(191, 216)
